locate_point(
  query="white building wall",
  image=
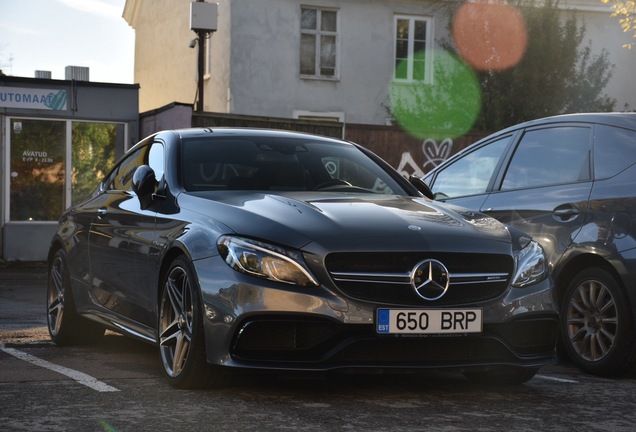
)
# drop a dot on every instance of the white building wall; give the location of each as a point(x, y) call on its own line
point(604, 32)
point(265, 63)
point(165, 65)
point(254, 67)
point(216, 94)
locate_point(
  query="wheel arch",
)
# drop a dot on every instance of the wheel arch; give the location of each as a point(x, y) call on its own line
point(573, 266)
point(587, 260)
point(56, 244)
point(171, 254)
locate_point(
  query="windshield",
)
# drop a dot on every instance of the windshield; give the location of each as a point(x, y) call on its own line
point(281, 164)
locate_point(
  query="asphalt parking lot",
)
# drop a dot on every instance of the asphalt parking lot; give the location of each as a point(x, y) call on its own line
point(117, 385)
point(22, 302)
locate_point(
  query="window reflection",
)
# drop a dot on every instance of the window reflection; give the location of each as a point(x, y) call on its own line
point(37, 170)
point(38, 164)
point(93, 155)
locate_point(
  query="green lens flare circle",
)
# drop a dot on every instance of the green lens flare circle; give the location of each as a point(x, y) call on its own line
point(435, 95)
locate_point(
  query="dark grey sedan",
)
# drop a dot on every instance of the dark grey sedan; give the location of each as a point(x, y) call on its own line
point(256, 249)
point(569, 181)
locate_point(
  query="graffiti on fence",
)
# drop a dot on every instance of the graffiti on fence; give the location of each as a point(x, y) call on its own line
point(434, 154)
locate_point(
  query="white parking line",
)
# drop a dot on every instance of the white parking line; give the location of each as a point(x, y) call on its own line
point(551, 378)
point(79, 377)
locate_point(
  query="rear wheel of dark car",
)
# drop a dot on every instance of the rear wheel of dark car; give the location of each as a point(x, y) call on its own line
point(503, 376)
point(66, 327)
point(597, 329)
point(181, 335)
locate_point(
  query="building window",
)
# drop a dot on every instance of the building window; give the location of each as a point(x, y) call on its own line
point(38, 169)
point(318, 42)
point(94, 147)
point(413, 43)
point(53, 163)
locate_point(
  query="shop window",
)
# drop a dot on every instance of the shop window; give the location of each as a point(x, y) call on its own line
point(37, 169)
point(93, 155)
point(51, 167)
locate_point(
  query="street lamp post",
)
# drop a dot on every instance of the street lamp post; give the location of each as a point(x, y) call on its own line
point(200, 69)
point(203, 21)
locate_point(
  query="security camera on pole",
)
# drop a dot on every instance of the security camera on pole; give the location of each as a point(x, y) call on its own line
point(203, 21)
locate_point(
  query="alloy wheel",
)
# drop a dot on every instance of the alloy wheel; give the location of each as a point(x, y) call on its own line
point(176, 321)
point(55, 295)
point(592, 320)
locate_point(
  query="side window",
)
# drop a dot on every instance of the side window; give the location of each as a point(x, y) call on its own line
point(470, 174)
point(614, 150)
point(121, 178)
point(156, 159)
point(550, 156)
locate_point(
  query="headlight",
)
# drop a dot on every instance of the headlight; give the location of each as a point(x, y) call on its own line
point(530, 265)
point(265, 261)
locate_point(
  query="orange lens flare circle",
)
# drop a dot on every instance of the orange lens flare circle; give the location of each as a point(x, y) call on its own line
point(490, 35)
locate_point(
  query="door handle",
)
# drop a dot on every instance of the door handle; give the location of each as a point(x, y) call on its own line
point(565, 213)
point(101, 212)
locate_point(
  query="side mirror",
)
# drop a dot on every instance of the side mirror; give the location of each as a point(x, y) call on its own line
point(144, 184)
point(421, 186)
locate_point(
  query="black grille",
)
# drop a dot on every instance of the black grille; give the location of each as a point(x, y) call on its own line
point(384, 277)
point(292, 339)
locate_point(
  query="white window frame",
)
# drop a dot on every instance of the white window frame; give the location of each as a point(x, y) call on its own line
point(317, 33)
point(336, 116)
point(428, 67)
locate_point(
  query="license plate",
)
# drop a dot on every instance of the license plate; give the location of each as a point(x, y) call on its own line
point(428, 321)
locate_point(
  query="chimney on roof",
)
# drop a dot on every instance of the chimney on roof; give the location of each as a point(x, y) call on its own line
point(78, 73)
point(43, 74)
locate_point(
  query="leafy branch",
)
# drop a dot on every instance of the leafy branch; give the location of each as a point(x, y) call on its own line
point(624, 10)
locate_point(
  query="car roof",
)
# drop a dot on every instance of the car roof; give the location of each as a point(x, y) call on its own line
point(619, 119)
point(246, 132)
point(625, 120)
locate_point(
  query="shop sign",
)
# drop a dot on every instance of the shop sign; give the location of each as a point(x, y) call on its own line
point(32, 98)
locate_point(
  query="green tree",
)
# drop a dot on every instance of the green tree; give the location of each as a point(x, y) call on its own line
point(556, 74)
point(624, 10)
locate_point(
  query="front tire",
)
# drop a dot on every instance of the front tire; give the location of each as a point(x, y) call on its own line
point(181, 335)
point(597, 328)
point(65, 326)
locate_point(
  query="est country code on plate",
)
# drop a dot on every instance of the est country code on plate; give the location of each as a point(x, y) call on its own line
point(428, 321)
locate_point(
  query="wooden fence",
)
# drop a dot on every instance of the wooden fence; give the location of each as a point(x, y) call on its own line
point(407, 154)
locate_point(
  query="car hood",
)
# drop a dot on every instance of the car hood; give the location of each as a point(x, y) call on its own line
point(351, 221)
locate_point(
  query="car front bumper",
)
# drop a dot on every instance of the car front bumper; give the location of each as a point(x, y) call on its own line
point(253, 323)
